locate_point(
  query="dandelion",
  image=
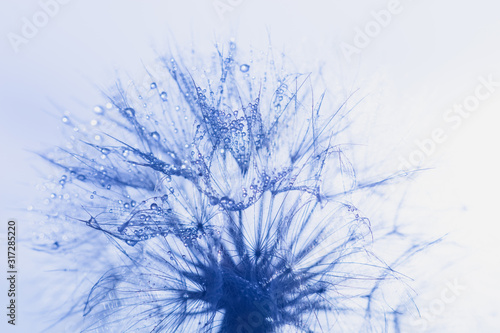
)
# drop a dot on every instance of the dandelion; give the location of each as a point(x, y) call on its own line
point(217, 200)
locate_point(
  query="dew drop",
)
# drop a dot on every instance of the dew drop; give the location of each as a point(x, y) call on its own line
point(155, 136)
point(92, 222)
point(129, 113)
point(98, 110)
point(163, 96)
point(153, 85)
point(154, 206)
point(65, 119)
point(214, 201)
point(131, 242)
point(244, 68)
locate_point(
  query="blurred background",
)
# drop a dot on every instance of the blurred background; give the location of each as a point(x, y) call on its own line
point(419, 61)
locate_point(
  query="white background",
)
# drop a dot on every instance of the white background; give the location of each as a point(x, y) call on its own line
point(426, 59)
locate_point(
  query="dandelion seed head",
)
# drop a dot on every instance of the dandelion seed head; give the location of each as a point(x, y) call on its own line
point(226, 199)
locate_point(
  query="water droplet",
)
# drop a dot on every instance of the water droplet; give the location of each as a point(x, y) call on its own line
point(92, 222)
point(65, 119)
point(131, 242)
point(164, 198)
point(244, 68)
point(214, 201)
point(98, 110)
point(81, 177)
point(154, 206)
point(163, 96)
point(155, 136)
point(129, 113)
point(153, 85)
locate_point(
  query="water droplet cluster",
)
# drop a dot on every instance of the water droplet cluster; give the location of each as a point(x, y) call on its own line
point(224, 190)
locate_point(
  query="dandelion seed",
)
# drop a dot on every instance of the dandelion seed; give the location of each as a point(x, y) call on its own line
point(230, 223)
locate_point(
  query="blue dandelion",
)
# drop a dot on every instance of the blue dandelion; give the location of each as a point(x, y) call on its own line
point(223, 205)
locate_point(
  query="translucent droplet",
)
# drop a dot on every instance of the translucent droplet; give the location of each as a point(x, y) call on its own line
point(131, 242)
point(98, 110)
point(164, 198)
point(154, 206)
point(129, 113)
point(155, 136)
point(65, 119)
point(81, 177)
point(153, 85)
point(163, 96)
point(244, 68)
point(214, 201)
point(92, 222)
